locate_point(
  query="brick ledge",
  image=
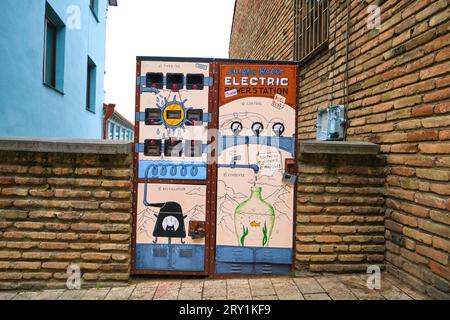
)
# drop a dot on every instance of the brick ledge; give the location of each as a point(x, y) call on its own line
point(89, 146)
point(339, 147)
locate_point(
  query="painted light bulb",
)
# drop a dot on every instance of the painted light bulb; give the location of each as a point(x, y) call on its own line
point(254, 219)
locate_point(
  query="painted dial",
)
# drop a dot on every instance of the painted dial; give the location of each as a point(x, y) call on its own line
point(170, 223)
point(278, 128)
point(257, 128)
point(173, 114)
point(236, 127)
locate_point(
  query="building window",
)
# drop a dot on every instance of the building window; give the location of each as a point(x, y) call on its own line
point(91, 85)
point(123, 134)
point(50, 53)
point(54, 41)
point(111, 131)
point(312, 21)
point(93, 4)
point(117, 134)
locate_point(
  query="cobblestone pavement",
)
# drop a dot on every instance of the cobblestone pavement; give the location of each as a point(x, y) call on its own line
point(327, 287)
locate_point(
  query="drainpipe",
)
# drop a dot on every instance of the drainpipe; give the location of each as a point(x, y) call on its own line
point(347, 44)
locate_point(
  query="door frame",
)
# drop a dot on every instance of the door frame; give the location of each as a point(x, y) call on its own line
point(210, 183)
point(218, 63)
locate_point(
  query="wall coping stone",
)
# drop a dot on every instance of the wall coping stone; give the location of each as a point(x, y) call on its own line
point(89, 146)
point(339, 147)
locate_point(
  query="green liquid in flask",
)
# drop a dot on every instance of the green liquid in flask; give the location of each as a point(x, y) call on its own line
point(254, 219)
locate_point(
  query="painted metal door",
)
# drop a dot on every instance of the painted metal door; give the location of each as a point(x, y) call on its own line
point(172, 216)
point(256, 168)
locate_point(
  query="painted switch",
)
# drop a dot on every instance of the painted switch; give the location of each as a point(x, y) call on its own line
point(152, 147)
point(173, 148)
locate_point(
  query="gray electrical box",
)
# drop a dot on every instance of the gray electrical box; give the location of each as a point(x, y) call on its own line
point(331, 123)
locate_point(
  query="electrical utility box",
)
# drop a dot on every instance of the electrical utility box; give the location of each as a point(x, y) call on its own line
point(214, 166)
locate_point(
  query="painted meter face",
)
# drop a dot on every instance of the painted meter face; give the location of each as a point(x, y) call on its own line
point(236, 127)
point(278, 129)
point(173, 115)
point(257, 128)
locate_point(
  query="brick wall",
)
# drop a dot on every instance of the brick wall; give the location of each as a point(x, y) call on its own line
point(399, 97)
point(270, 24)
point(340, 204)
point(60, 209)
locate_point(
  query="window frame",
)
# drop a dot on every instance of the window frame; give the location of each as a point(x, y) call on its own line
point(111, 130)
point(56, 81)
point(54, 55)
point(312, 29)
point(93, 5)
point(91, 82)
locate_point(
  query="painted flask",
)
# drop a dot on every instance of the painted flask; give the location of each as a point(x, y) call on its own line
point(254, 219)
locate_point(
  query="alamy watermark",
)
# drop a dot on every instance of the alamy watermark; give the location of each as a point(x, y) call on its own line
point(73, 21)
point(374, 18)
point(374, 279)
point(74, 280)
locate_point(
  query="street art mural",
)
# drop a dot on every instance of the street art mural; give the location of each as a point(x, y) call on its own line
point(255, 203)
point(162, 238)
point(214, 167)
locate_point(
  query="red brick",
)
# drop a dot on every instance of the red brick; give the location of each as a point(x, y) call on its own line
point(443, 82)
point(415, 209)
point(437, 148)
point(437, 95)
point(418, 235)
point(403, 171)
point(444, 135)
point(432, 201)
point(435, 71)
point(442, 108)
point(405, 148)
point(429, 252)
point(442, 244)
point(422, 111)
point(423, 135)
point(442, 189)
point(439, 269)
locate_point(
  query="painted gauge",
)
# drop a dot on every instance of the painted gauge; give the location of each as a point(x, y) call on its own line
point(170, 223)
point(236, 127)
point(278, 129)
point(257, 128)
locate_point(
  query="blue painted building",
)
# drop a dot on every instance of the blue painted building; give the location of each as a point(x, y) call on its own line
point(115, 125)
point(52, 62)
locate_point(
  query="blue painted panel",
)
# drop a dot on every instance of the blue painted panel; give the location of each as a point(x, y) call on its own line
point(188, 257)
point(172, 170)
point(254, 254)
point(177, 257)
point(273, 255)
point(251, 268)
point(152, 256)
point(234, 268)
point(272, 268)
point(234, 254)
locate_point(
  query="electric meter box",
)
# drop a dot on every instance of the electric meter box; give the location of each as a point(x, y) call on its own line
point(331, 123)
point(214, 167)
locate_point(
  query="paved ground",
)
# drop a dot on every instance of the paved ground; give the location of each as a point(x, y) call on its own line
point(333, 287)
